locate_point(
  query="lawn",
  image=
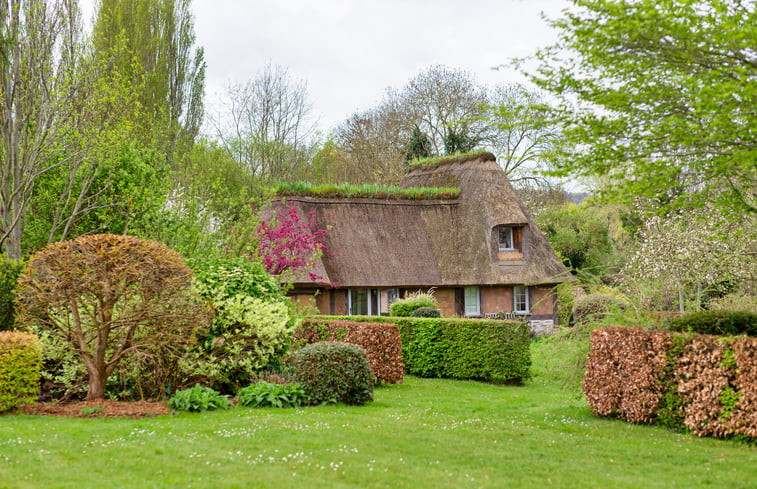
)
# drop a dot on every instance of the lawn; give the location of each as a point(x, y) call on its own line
point(423, 433)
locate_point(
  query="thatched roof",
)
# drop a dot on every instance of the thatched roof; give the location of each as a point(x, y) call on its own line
point(392, 243)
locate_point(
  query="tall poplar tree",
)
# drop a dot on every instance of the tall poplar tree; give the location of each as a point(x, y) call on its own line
point(159, 55)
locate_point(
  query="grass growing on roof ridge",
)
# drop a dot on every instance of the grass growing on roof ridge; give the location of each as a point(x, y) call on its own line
point(436, 161)
point(366, 191)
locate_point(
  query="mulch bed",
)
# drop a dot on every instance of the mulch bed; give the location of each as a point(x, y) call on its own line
point(91, 409)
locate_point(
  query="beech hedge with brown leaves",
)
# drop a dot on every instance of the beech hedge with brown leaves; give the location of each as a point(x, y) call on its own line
point(701, 383)
point(381, 342)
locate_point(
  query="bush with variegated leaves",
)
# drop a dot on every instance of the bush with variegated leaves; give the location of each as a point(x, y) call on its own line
point(252, 326)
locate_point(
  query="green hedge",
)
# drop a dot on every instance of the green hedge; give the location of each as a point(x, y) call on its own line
point(20, 363)
point(717, 323)
point(457, 348)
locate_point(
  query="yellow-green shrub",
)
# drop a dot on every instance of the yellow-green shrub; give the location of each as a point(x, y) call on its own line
point(20, 362)
point(252, 333)
point(252, 325)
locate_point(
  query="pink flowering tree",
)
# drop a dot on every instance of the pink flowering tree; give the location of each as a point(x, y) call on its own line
point(289, 245)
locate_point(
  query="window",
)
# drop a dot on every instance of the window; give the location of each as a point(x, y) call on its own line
point(363, 302)
point(505, 238)
point(520, 299)
point(472, 302)
point(509, 238)
point(359, 302)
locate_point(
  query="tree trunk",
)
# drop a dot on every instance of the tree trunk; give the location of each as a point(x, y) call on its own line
point(96, 388)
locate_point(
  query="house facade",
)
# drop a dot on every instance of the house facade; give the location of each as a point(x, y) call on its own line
point(480, 254)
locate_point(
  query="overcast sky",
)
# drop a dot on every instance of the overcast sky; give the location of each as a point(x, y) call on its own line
point(349, 51)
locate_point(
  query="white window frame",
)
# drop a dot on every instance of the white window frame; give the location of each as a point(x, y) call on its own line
point(523, 290)
point(470, 306)
point(509, 230)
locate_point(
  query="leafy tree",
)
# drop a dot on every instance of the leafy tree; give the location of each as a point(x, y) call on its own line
point(585, 238)
point(117, 194)
point(52, 106)
point(374, 143)
point(659, 96)
point(443, 101)
point(458, 142)
point(151, 43)
point(442, 111)
point(329, 164)
point(212, 193)
point(522, 134)
point(110, 297)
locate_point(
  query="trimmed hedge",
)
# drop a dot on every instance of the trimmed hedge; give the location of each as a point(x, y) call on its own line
point(717, 323)
point(458, 348)
point(701, 383)
point(331, 372)
point(381, 343)
point(20, 364)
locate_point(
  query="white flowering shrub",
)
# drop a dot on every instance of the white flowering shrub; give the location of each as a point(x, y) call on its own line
point(693, 251)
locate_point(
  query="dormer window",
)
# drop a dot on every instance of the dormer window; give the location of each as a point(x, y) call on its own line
point(510, 238)
point(508, 243)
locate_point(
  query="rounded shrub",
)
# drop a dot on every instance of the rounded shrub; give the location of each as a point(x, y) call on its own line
point(426, 312)
point(20, 361)
point(717, 323)
point(405, 307)
point(331, 372)
point(594, 307)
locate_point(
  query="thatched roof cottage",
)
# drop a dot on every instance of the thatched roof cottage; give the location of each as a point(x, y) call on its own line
point(481, 253)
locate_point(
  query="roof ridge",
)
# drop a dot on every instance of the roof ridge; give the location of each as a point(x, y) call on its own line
point(433, 163)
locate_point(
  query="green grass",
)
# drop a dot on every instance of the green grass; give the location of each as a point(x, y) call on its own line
point(423, 433)
point(366, 191)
